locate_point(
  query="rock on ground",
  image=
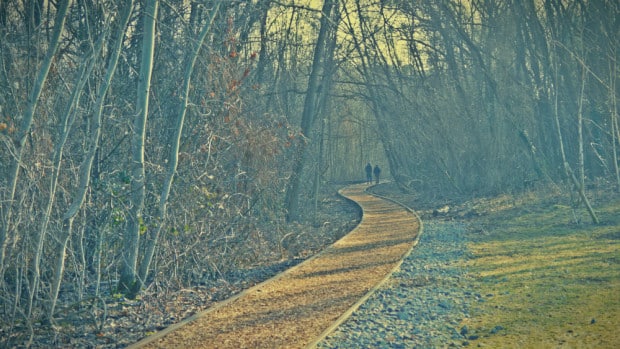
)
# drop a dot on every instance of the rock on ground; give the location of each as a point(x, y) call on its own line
point(423, 303)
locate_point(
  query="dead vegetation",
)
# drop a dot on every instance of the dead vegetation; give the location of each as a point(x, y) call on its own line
point(111, 320)
point(294, 308)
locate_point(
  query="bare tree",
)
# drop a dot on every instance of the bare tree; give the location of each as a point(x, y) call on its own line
point(309, 111)
point(93, 143)
point(160, 218)
point(128, 282)
point(88, 63)
point(23, 132)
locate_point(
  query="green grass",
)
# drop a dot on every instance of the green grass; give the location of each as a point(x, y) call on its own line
point(547, 281)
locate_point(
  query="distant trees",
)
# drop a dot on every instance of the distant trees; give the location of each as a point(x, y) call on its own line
point(465, 93)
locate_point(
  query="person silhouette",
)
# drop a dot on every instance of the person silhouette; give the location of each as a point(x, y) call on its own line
point(368, 173)
point(377, 172)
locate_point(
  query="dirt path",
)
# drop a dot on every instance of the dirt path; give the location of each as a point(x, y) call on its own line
point(297, 307)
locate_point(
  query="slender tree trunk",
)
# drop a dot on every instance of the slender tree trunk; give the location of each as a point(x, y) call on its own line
point(615, 138)
point(324, 105)
point(292, 193)
point(135, 225)
point(26, 124)
point(262, 57)
point(24, 130)
point(86, 165)
point(88, 63)
point(582, 171)
point(568, 170)
point(174, 149)
point(615, 133)
point(319, 170)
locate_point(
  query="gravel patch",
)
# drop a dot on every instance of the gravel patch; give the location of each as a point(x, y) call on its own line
point(422, 305)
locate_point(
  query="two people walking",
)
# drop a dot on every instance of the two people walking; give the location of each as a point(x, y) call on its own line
point(370, 171)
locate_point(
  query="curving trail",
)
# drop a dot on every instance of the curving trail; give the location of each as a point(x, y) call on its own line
point(298, 307)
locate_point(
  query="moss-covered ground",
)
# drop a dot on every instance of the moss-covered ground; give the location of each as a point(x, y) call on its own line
point(545, 277)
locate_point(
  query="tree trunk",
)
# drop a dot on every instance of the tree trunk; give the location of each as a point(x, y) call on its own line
point(569, 172)
point(86, 165)
point(582, 170)
point(128, 284)
point(174, 150)
point(615, 132)
point(292, 193)
point(24, 130)
point(88, 63)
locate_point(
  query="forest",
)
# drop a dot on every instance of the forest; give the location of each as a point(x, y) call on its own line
point(154, 144)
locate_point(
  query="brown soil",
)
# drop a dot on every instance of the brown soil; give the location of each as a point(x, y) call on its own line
point(295, 308)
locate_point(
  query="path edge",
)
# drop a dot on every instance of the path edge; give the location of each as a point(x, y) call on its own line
point(347, 314)
point(159, 334)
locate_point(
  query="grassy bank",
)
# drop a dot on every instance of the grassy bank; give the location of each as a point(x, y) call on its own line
point(543, 280)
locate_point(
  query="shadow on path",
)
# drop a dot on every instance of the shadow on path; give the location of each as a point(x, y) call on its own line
point(301, 305)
